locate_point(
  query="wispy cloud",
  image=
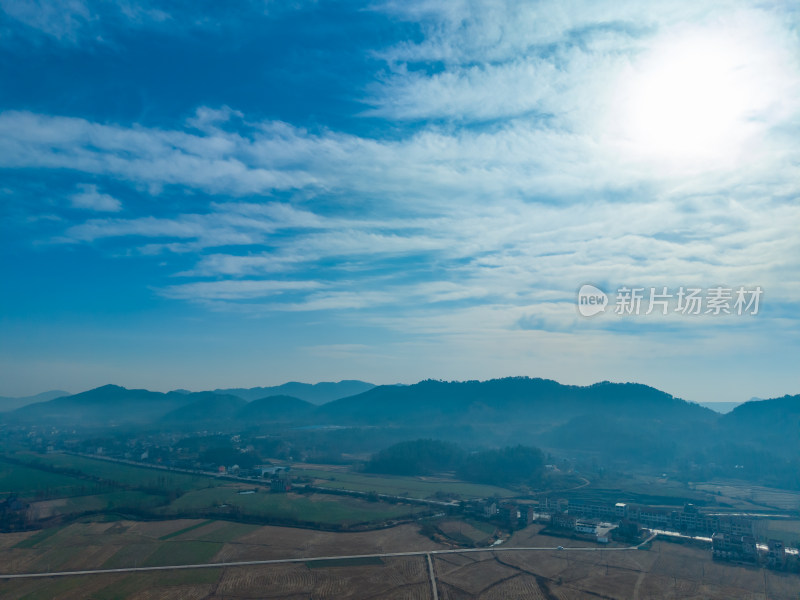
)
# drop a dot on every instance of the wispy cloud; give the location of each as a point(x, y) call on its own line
point(493, 168)
point(74, 22)
point(92, 199)
point(235, 290)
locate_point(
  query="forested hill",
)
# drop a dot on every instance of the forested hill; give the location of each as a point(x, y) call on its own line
point(513, 400)
point(316, 393)
point(612, 419)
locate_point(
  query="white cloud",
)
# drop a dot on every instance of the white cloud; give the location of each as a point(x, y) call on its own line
point(61, 19)
point(235, 290)
point(492, 31)
point(523, 188)
point(91, 199)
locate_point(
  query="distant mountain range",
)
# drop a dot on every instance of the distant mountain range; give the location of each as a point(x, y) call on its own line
point(513, 399)
point(316, 393)
point(115, 405)
point(215, 411)
point(505, 407)
point(625, 422)
point(617, 418)
point(8, 403)
point(723, 407)
point(106, 405)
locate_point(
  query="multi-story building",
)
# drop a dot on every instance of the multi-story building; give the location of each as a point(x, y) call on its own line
point(508, 513)
point(775, 556)
point(563, 520)
point(586, 526)
point(597, 510)
point(725, 546)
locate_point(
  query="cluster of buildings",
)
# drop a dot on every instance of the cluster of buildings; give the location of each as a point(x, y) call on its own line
point(732, 536)
point(687, 520)
point(511, 514)
point(743, 548)
point(594, 529)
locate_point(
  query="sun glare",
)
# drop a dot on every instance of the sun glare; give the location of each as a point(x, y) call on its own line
point(696, 97)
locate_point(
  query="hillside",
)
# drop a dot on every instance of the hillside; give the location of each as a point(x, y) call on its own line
point(617, 421)
point(512, 400)
point(115, 405)
point(204, 408)
point(771, 424)
point(12, 403)
point(610, 419)
point(105, 405)
point(316, 393)
point(275, 409)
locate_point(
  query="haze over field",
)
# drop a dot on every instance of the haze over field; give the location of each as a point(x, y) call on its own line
point(630, 425)
point(205, 198)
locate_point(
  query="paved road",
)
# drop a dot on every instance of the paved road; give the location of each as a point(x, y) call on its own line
point(278, 561)
point(434, 590)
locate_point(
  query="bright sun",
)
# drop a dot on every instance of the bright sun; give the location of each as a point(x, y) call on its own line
point(695, 97)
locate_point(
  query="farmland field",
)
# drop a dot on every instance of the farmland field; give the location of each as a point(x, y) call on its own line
point(756, 495)
point(124, 474)
point(467, 532)
point(187, 552)
point(185, 530)
point(665, 571)
point(28, 482)
point(317, 508)
point(93, 485)
point(343, 562)
point(122, 500)
point(412, 487)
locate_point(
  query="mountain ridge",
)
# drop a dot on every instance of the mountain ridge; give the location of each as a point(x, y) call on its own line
point(603, 417)
point(8, 403)
point(315, 393)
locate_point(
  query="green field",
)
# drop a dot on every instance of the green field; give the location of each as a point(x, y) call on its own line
point(29, 482)
point(130, 500)
point(97, 485)
point(641, 486)
point(758, 495)
point(328, 510)
point(230, 532)
point(395, 485)
point(185, 530)
point(120, 473)
point(77, 493)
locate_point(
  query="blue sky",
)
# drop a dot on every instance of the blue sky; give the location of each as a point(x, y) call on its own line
point(196, 197)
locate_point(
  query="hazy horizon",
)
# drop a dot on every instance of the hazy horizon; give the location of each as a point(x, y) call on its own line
point(266, 385)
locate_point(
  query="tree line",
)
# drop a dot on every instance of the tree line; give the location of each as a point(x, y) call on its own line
point(512, 465)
